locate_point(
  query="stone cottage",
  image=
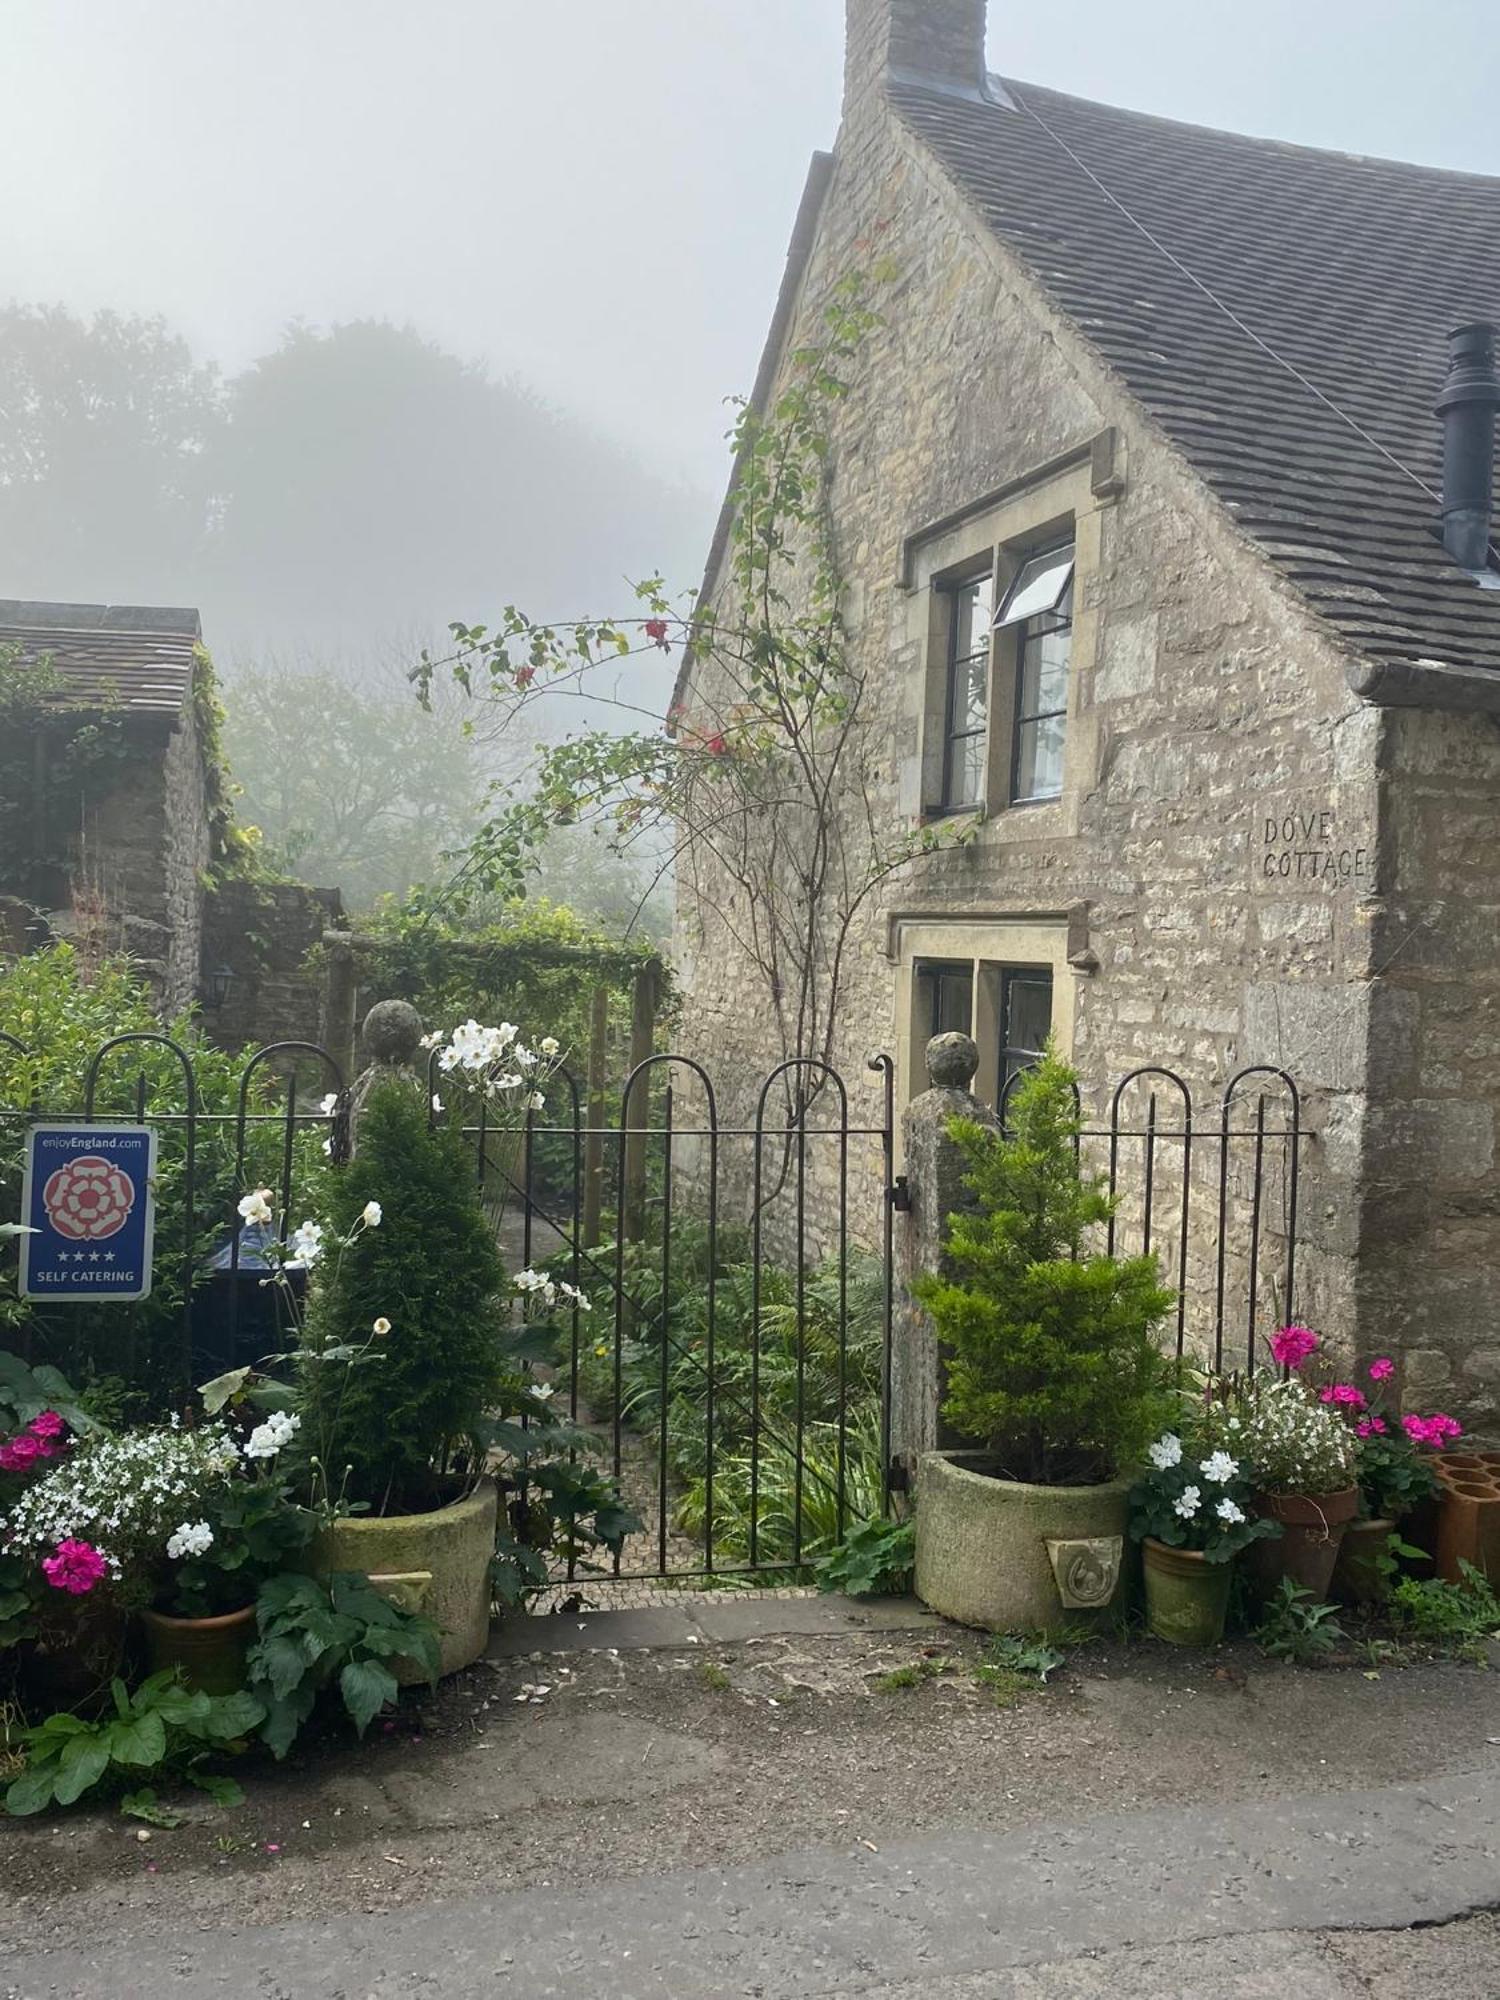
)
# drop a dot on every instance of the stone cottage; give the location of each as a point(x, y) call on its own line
point(1162, 498)
point(123, 848)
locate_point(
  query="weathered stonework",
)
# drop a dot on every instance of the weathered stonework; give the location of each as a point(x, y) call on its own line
point(1272, 871)
point(265, 932)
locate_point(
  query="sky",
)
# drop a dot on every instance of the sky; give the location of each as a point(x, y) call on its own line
point(593, 196)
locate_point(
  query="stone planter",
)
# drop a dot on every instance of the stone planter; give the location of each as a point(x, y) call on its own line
point(1017, 1558)
point(1187, 1596)
point(210, 1651)
point(1468, 1514)
point(1312, 1529)
point(1358, 1577)
point(437, 1563)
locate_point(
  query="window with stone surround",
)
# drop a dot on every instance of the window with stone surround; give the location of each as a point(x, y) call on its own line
point(1006, 1006)
point(998, 715)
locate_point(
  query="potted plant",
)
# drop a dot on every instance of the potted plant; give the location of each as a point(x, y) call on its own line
point(1300, 1455)
point(1393, 1470)
point(1052, 1370)
point(1192, 1512)
point(243, 1530)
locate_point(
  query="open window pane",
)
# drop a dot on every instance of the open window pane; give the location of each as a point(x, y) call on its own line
point(1038, 587)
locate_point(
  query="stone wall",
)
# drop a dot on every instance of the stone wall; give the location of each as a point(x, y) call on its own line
point(1214, 745)
point(264, 933)
point(141, 857)
point(1430, 1279)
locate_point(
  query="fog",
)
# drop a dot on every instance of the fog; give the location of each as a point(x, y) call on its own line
point(576, 213)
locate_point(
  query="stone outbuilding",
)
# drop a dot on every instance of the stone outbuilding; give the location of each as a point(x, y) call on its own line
point(121, 820)
point(1162, 578)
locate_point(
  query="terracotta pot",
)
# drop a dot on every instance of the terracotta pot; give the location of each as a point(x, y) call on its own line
point(1187, 1596)
point(1307, 1548)
point(1358, 1577)
point(1468, 1514)
point(209, 1651)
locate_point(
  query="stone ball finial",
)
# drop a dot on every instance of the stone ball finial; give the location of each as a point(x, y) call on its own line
point(392, 1032)
point(952, 1061)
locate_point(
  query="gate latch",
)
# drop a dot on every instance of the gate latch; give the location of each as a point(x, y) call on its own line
point(900, 1195)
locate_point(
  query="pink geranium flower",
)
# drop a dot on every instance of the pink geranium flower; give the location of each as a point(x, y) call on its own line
point(1434, 1431)
point(1291, 1345)
point(1382, 1369)
point(76, 1568)
point(21, 1453)
point(1344, 1394)
point(1370, 1427)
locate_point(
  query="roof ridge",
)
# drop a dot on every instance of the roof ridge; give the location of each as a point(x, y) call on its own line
point(1259, 140)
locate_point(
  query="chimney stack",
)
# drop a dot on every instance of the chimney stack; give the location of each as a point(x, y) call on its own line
point(936, 42)
point(1467, 408)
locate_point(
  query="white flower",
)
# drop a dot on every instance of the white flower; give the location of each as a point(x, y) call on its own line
point(256, 1207)
point(1186, 1503)
point(437, 1102)
point(267, 1439)
point(1228, 1511)
point(530, 1281)
point(571, 1292)
point(307, 1243)
point(328, 1146)
point(549, 1045)
point(541, 1390)
point(1166, 1452)
point(329, 1104)
point(193, 1538)
point(431, 1041)
point(1219, 1468)
point(370, 1214)
point(536, 1102)
point(381, 1327)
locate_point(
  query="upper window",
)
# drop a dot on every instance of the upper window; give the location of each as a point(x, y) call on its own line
point(967, 697)
point(1038, 606)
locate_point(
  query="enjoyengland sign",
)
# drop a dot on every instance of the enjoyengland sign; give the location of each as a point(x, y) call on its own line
point(87, 1206)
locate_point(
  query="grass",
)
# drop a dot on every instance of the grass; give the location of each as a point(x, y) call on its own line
point(916, 1673)
point(712, 1675)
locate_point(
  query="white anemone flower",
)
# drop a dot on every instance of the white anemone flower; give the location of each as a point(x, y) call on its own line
point(256, 1207)
point(371, 1215)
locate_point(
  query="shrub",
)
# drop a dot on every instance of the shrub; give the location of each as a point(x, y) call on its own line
point(1052, 1363)
point(432, 1270)
point(1297, 1627)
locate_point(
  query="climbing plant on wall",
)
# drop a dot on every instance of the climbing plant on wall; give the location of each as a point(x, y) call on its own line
point(765, 780)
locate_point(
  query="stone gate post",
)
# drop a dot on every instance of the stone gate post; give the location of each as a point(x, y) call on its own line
point(934, 1175)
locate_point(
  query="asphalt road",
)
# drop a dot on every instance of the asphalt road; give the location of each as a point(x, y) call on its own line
point(1303, 1898)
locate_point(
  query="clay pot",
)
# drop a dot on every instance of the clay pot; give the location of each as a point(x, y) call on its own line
point(1187, 1596)
point(1312, 1529)
point(1468, 1513)
point(210, 1652)
point(1358, 1577)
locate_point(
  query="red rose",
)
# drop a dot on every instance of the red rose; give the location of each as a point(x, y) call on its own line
point(656, 632)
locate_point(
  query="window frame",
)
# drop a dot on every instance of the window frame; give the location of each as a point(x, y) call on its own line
point(1012, 975)
point(953, 591)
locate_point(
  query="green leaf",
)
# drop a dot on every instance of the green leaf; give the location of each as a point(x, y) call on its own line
point(141, 1804)
point(83, 1763)
point(282, 1661)
point(141, 1740)
point(366, 1688)
point(30, 1793)
point(232, 1715)
point(222, 1389)
point(223, 1791)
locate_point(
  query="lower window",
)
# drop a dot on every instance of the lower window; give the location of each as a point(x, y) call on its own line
point(1014, 1005)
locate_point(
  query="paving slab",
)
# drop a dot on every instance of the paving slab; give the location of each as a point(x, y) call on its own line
point(706, 1616)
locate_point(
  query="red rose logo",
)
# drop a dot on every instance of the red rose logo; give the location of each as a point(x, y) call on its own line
point(88, 1198)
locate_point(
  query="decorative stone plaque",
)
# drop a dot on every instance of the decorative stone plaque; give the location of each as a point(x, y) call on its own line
point(1087, 1570)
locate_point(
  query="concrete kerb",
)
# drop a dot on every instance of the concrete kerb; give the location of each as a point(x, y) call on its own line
point(706, 1619)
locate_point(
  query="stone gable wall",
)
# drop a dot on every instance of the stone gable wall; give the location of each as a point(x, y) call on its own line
point(1217, 738)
